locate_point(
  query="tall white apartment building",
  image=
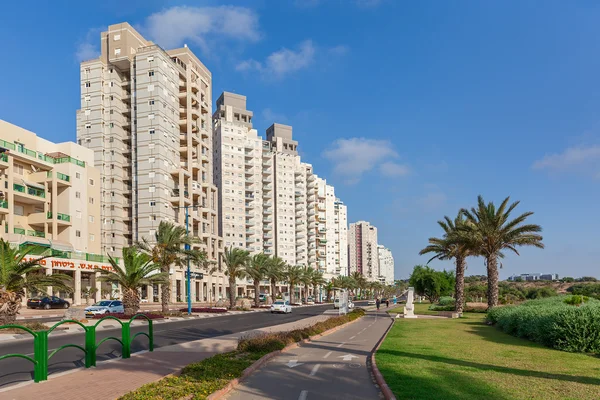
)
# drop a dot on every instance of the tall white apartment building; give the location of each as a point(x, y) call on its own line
point(363, 253)
point(386, 265)
point(340, 215)
point(146, 114)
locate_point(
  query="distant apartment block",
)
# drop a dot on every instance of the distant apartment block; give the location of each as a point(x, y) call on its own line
point(386, 265)
point(146, 115)
point(363, 253)
point(50, 197)
point(534, 277)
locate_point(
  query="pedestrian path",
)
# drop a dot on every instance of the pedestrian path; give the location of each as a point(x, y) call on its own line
point(331, 367)
point(114, 378)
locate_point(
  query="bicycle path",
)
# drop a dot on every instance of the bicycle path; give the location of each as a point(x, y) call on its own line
point(331, 367)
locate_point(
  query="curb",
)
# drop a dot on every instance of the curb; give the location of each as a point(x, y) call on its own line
point(219, 394)
point(385, 389)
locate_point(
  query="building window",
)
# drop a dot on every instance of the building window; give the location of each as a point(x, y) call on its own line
point(151, 102)
point(88, 98)
point(91, 182)
point(77, 195)
point(152, 203)
point(112, 125)
point(92, 237)
point(152, 131)
point(150, 58)
point(91, 218)
point(117, 51)
point(150, 116)
point(88, 84)
point(78, 233)
point(151, 73)
point(151, 160)
point(77, 175)
point(87, 70)
point(150, 88)
point(117, 37)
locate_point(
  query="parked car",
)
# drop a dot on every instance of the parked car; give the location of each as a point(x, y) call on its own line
point(262, 297)
point(47, 302)
point(336, 303)
point(371, 302)
point(105, 307)
point(310, 300)
point(281, 306)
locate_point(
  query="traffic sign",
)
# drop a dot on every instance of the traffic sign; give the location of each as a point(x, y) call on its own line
point(195, 275)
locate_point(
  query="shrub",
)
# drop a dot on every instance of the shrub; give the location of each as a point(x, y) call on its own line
point(127, 317)
point(553, 322)
point(590, 290)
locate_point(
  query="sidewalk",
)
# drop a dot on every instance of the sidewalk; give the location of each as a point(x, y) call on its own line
point(334, 366)
point(115, 378)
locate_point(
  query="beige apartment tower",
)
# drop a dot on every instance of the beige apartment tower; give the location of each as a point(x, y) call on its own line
point(50, 197)
point(146, 114)
point(363, 253)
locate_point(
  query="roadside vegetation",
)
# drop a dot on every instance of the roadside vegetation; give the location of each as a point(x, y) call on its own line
point(464, 359)
point(198, 380)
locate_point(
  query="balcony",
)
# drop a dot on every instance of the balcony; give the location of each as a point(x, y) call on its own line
point(267, 195)
point(66, 218)
point(267, 171)
point(28, 194)
point(3, 206)
point(267, 179)
point(267, 187)
point(267, 235)
point(268, 244)
point(267, 227)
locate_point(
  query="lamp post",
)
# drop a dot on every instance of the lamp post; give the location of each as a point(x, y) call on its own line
point(187, 247)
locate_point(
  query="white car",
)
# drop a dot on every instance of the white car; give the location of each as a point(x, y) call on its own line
point(371, 302)
point(105, 307)
point(281, 306)
point(336, 303)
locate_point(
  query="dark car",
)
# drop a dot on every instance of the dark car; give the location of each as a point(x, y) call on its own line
point(47, 302)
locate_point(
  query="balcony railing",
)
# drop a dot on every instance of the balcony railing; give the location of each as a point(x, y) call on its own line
point(36, 234)
point(19, 231)
point(4, 157)
point(29, 190)
point(60, 217)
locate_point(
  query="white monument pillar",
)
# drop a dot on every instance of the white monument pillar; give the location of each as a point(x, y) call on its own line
point(409, 307)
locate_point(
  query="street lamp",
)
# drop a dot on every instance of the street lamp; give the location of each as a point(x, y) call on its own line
point(187, 247)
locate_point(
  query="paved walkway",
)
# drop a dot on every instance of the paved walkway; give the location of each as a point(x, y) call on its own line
point(332, 367)
point(115, 378)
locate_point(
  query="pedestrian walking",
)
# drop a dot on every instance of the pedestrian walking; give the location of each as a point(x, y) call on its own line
point(377, 303)
point(387, 303)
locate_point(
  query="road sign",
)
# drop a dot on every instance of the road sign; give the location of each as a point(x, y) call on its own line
point(195, 275)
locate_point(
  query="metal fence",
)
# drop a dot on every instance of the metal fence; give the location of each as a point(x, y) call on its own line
point(40, 343)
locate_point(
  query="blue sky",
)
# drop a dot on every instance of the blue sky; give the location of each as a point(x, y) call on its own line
point(411, 109)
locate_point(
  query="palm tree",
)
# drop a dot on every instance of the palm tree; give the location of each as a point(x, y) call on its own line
point(256, 268)
point(18, 275)
point(293, 276)
point(167, 249)
point(306, 279)
point(453, 245)
point(360, 281)
point(328, 289)
point(317, 280)
point(138, 270)
point(490, 231)
point(235, 263)
point(275, 272)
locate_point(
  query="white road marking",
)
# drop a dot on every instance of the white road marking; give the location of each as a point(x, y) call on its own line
point(327, 355)
point(348, 357)
point(293, 363)
point(303, 395)
point(341, 344)
point(352, 337)
point(314, 370)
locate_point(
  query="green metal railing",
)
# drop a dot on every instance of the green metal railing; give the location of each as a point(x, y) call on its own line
point(19, 231)
point(18, 188)
point(36, 234)
point(41, 156)
point(63, 177)
point(4, 157)
point(60, 217)
point(3, 204)
point(40, 343)
point(31, 191)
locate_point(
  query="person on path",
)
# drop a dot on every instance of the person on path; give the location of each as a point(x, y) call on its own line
point(377, 302)
point(387, 303)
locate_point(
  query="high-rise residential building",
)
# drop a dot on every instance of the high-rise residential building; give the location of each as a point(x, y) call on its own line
point(271, 201)
point(50, 197)
point(363, 254)
point(146, 114)
point(386, 265)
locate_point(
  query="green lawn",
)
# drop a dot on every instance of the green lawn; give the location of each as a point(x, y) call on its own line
point(466, 359)
point(420, 309)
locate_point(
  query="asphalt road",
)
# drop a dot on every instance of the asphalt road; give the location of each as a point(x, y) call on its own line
point(331, 367)
point(15, 370)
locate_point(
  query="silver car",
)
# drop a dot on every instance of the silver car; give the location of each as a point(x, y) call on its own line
point(105, 307)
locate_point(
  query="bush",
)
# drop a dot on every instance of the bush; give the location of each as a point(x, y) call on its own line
point(590, 290)
point(128, 317)
point(553, 322)
point(212, 310)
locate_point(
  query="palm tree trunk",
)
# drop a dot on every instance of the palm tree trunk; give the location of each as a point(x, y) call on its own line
point(305, 293)
point(10, 304)
point(315, 298)
point(459, 289)
point(165, 297)
point(273, 284)
point(232, 293)
point(492, 272)
point(291, 291)
point(131, 301)
point(256, 290)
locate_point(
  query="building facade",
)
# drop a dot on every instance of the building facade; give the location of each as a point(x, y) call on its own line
point(386, 265)
point(363, 254)
point(50, 198)
point(146, 115)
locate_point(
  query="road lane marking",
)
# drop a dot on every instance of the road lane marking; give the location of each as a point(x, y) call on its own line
point(293, 363)
point(352, 337)
point(314, 370)
point(341, 344)
point(327, 355)
point(303, 395)
point(347, 357)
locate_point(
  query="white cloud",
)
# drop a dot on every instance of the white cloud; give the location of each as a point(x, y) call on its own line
point(355, 156)
point(585, 159)
point(170, 28)
point(269, 116)
point(87, 48)
point(282, 62)
point(393, 169)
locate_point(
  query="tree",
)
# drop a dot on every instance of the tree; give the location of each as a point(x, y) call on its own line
point(235, 267)
point(306, 279)
point(167, 249)
point(256, 268)
point(138, 270)
point(275, 272)
point(490, 231)
point(453, 245)
point(328, 289)
point(18, 275)
point(293, 276)
point(360, 280)
point(316, 281)
point(88, 292)
point(431, 283)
